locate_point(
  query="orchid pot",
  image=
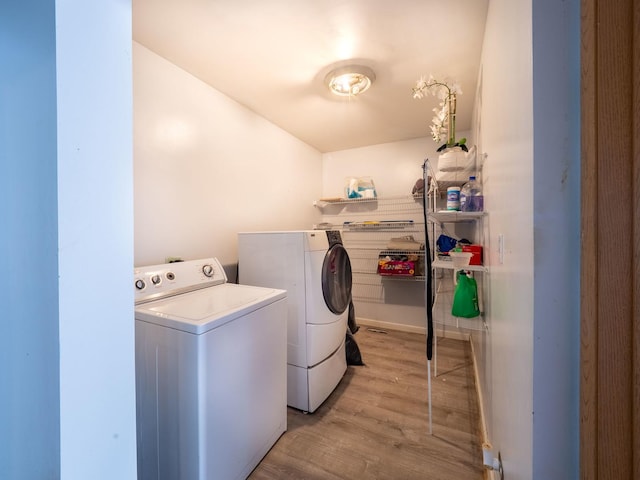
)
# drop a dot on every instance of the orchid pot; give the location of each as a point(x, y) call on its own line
point(452, 160)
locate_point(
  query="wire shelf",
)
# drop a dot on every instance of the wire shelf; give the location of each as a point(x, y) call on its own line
point(381, 207)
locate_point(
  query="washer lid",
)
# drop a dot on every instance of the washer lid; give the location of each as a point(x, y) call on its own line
point(208, 308)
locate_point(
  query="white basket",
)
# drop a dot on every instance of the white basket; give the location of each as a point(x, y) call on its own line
point(460, 259)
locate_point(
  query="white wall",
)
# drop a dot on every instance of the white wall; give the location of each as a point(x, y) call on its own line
point(394, 167)
point(207, 168)
point(67, 398)
point(95, 256)
point(529, 363)
point(556, 338)
point(507, 137)
point(29, 341)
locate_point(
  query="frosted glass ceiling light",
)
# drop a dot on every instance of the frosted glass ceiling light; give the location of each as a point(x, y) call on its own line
point(350, 81)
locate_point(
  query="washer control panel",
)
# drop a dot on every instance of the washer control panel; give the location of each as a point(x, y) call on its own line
point(156, 281)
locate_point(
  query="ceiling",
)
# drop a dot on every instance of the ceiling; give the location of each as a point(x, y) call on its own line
point(272, 56)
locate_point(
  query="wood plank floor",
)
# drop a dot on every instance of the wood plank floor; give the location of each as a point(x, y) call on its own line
point(375, 424)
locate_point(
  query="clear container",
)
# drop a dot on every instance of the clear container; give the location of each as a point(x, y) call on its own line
point(471, 198)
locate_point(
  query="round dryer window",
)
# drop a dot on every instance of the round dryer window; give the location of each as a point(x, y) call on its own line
point(336, 279)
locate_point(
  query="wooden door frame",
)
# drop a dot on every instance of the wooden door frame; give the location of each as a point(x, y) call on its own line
point(610, 250)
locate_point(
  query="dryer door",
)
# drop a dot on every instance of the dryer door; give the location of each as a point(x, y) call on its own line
point(336, 279)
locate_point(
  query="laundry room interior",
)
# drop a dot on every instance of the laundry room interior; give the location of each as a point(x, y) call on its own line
point(222, 169)
point(200, 167)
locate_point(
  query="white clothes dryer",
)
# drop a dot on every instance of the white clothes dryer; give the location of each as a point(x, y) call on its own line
point(210, 372)
point(314, 268)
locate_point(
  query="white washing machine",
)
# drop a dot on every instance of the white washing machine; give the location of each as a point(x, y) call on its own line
point(210, 372)
point(314, 268)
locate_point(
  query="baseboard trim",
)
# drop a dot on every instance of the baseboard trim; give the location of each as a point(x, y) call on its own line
point(488, 474)
point(476, 374)
point(368, 322)
point(450, 333)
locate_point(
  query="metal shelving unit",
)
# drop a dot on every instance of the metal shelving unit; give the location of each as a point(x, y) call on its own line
point(444, 271)
point(367, 226)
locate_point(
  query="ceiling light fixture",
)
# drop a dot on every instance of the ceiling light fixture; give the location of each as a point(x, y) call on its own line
point(350, 81)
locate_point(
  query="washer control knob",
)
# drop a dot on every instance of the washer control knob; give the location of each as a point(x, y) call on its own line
point(140, 284)
point(156, 279)
point(208, 270)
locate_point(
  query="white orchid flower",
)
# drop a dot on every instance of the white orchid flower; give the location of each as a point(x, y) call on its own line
point(456, 89)
point(446, 90)
point(443, 93)
point(436, 132)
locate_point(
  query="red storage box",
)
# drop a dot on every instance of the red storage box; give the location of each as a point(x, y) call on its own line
point(476, 250)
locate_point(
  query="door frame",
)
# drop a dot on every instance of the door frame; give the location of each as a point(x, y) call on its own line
point(610, 231)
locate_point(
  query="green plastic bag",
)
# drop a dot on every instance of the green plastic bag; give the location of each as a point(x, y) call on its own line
point(465, 298)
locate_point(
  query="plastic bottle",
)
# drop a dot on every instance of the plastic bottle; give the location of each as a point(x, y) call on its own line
point(471, 198)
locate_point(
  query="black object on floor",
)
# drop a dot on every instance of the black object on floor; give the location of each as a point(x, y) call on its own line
point(353, 351)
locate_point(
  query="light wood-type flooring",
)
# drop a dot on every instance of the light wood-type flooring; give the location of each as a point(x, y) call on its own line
point(375, 424)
